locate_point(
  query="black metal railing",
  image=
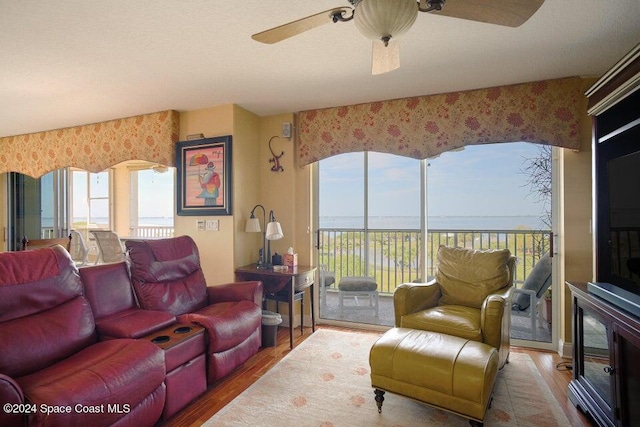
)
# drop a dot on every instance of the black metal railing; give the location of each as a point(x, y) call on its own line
point(393, 257)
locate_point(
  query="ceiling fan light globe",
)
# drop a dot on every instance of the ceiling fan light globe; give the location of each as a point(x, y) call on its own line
point(376, 19)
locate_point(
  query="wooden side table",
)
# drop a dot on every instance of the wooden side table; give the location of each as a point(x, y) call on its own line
point(288, 283)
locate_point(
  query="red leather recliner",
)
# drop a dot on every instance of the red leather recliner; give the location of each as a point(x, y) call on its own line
point(108, 289)
point(51, 358)
point(166, 275)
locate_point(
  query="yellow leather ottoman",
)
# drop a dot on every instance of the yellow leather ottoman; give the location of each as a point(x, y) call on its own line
point(440, 370)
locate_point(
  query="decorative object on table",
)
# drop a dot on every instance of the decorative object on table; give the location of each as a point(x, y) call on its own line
point(273, 231)
point(204, 176)
point(276, 259)
point(290, 259)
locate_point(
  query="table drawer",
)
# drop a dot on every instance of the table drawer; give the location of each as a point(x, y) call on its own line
point(304, 280)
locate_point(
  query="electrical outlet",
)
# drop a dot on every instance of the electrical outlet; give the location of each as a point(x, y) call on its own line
point(200, 226)
point(213, 225)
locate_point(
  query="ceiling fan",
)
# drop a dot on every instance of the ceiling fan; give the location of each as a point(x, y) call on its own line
point(384, 21)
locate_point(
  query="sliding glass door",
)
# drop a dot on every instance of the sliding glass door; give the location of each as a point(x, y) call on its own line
point(384, 216)
point(37, 207)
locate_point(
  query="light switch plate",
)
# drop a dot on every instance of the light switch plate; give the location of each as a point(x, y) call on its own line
point(213, 225)
point(200, 225)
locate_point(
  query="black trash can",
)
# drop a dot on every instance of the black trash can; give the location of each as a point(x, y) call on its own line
point(270, 322)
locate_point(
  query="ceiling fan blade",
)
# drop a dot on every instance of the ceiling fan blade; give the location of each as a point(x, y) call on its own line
point(277, 34)
point(384, 58)
point(509, 13)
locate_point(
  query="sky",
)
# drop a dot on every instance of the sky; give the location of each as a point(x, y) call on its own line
point(155, 194)
point(480, 180)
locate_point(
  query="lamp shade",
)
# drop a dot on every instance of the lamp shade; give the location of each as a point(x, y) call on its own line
point(274, 231)
point(253, 225)
point(377, 19)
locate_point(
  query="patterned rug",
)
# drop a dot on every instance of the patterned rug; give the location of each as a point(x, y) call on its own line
point(325, 382)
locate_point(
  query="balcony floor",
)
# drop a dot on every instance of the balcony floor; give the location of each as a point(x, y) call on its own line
point(386, 316)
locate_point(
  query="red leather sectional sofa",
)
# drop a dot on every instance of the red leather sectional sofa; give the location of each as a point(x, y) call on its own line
point(75, 346)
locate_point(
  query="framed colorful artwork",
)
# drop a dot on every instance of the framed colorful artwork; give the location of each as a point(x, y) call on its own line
point(204, 176)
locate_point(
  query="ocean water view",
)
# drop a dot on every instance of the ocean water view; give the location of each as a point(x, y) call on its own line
point(148, 221)
point(385, 223)
point(437, 223)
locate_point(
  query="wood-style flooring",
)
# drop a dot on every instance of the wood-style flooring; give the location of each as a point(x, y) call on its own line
point(551, 366)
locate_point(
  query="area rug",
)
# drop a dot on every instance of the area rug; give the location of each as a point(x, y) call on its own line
point(325, 382)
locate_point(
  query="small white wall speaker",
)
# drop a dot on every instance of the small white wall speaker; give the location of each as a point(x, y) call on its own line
point(286, 130)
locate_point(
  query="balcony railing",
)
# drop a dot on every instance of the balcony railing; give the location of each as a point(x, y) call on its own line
point(153, 231)
point(142, 231)
point(393, 256)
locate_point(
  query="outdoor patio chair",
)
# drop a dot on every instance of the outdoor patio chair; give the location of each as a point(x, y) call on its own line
point(109, 246)
point(79, 250)
point(327, 278)
point(358, 287)
point(526, 302)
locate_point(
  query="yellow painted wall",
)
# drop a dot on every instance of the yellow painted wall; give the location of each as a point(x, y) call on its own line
point(287, 193)
point(216, 248)
point(230, 247)
point(278, 188)
point(121, 191)
point(577, 260)
point(246, 143)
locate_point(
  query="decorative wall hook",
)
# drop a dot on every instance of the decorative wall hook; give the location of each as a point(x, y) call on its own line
point(276, 158)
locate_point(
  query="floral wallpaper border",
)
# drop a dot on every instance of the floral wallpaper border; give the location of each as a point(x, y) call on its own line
point(545, 112)
point(93, 147)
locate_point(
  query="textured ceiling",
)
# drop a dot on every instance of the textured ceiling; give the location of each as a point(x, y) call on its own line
point(72, 62)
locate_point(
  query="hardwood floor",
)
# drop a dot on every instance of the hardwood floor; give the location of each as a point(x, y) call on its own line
point(220, 394)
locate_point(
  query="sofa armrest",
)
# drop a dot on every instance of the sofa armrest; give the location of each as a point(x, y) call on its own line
point(495, 321)
point(237, 291)
point(413, 297)
point(10, 392)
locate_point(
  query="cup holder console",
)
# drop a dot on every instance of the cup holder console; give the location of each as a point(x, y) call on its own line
point(182, 330)
point(160, 339)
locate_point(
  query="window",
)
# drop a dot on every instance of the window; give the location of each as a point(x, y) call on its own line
point(36, 207)
point(370, 217)
point(152, 202)
point(90, 204)
point(385, 216)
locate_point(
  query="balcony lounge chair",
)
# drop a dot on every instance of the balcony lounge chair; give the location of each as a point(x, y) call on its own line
point(526, 302)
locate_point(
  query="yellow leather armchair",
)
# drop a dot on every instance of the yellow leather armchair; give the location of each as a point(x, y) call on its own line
point(470, 298)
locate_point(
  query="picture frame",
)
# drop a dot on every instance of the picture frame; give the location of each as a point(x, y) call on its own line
point(204, 176)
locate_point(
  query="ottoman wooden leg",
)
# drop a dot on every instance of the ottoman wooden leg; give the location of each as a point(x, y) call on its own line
point(379, 399)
